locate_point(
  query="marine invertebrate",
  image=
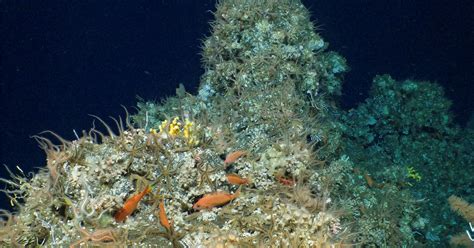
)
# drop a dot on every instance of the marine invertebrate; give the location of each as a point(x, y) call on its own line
point(205, 172)
point(407, 123)
point(98, 237)
point(413, 174)
point(466, 210)
point(55, 154)
point(257, 100)
point(174, 129)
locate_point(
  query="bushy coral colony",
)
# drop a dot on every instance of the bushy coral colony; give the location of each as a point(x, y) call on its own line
point(261, 156)
point(404, 135)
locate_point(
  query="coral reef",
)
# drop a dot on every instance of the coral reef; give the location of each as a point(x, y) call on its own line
point(72, 203)
point(261, 156)
point(267, 75)
point(404, 135)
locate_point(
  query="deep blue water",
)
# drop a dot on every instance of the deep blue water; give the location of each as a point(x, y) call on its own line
point(63, 60)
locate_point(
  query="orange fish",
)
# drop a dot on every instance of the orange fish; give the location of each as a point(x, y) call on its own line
point(286, 181)
point(233, 156)
point(236, 179)
point(215, 199)
point(163, 218)
point(130, 205)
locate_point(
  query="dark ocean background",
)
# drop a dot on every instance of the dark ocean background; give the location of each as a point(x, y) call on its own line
point(63, 60)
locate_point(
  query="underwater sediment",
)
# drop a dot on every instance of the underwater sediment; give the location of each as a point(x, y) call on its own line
point(261, 156)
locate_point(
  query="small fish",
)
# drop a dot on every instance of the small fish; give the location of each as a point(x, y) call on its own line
point(233, 156)
point(286, 181)
point(215, 199)
point(236, 179)
point(163, 218)
point(370, 181)
point(130, 205)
